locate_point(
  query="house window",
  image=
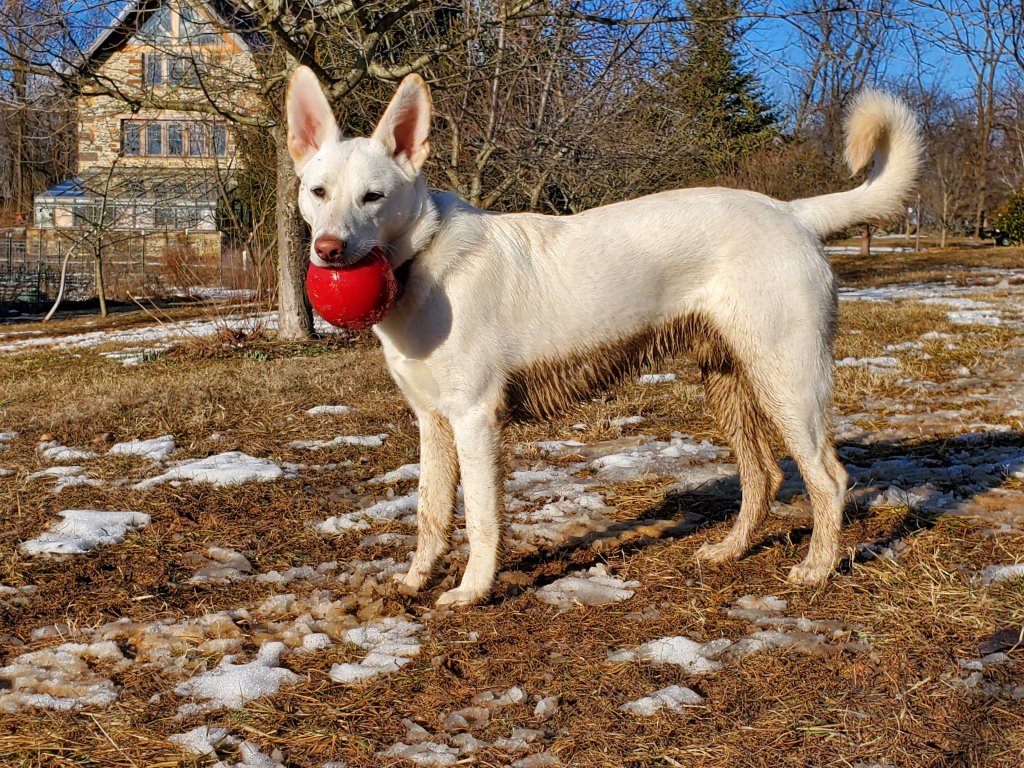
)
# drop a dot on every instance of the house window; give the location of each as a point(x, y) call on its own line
point(184, 71)
point(167, 138)
point(196, 140)
point(131, 139)
point(153, 64)
point(154, 139)
point(220, 140)
point(175, 139)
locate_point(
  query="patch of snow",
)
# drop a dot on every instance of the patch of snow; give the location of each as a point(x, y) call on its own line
point(203, 740)
point(994, 574)
point(67, 476)
point(389, 509)
point(330, 410)
point(558, 447)
point(392, 643)
point(231, 685)
point(231, 468)
point(56, 453)
point(61, 678)
point(366, 441)
point(627, 421)
point(696, 658)
point(83, 529)
point(424, 753)
point(592, 587)
point(546, 707)
point(674, 697)
point(657, 378)
point(154, 449)
point(404, 472)
point(872, 364)
point(220, 566)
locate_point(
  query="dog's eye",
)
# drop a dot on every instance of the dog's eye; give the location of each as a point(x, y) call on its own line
point(369, 197)
point(319, 192)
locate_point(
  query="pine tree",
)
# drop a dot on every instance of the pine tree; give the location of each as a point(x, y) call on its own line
point(702, 116)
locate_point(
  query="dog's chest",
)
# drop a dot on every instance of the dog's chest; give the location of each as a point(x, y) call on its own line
point(416, 381)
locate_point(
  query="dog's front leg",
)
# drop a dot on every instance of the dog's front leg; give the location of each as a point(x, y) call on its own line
point(478, 442)
point(439, 476)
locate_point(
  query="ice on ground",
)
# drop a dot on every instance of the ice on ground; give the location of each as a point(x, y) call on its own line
point(424, 753)
point(366, 441)
point(404, 472)
point(154, 449)
point(231, 685)
point(696, 658)
point(872, 364)
point(220, 566)
point(67, 476)
point(558, 447)
point(6, 438)
point(203, 740)
point(537, 760)
point(674, 697)
point(14, 596)
point(61, 678)
point(546, 707)
point(56, 453)
point(83, 529)
point(389, 509)
point(330, 410)
point(591, 587)
point(231, 468)
point(392, 643)
point(994, 574)
point(627, 421)
point(4, 472)
point(657, 378)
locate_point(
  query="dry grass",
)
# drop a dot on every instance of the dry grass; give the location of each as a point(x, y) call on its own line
point(897, 702)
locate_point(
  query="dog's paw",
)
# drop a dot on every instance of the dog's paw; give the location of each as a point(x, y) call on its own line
point(722, 552)
point(808, 574)
point(412, 582)
point(460, 597)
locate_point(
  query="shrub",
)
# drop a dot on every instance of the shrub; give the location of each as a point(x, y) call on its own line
point(1010, 218)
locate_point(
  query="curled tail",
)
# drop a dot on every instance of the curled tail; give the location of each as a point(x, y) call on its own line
point(881, 126)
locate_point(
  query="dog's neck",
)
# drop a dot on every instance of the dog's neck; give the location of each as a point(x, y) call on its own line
point(411, 243)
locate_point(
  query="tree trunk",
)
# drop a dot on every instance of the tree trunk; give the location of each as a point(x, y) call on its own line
point(865, 240)
point(101, 293)
point(294, 314)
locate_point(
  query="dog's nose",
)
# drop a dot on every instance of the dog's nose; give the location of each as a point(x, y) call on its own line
point(330, 249)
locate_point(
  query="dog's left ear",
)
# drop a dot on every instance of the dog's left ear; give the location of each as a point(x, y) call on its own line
point(404, 130)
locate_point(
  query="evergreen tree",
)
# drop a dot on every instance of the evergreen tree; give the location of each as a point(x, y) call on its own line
point(701, 117)
point(725, 111)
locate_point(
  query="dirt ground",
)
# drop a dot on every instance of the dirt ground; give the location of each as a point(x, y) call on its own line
point(908, 656)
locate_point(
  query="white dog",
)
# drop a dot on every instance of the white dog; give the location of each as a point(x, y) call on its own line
point(515, 315)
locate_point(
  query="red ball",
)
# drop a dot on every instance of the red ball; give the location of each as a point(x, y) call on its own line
point(353, 297)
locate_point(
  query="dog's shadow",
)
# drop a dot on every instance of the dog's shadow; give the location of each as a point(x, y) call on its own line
point(684, 513)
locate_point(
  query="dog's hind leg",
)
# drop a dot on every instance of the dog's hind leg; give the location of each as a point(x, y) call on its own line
point(439, 476)
point(798, 390)
point(748, 432)
point(478, 442)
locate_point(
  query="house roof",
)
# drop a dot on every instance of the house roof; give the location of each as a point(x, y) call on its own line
point(235, 17)
point(72, 187)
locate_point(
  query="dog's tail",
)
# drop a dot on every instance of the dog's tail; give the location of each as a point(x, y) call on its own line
point(877, 125)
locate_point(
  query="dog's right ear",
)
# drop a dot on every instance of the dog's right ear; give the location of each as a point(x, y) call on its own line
point(311, 122)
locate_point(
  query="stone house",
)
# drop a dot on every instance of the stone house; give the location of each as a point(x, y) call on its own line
point(157, 160)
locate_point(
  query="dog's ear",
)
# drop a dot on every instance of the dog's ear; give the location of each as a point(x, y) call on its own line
point(311, 122)
point(404, 130)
